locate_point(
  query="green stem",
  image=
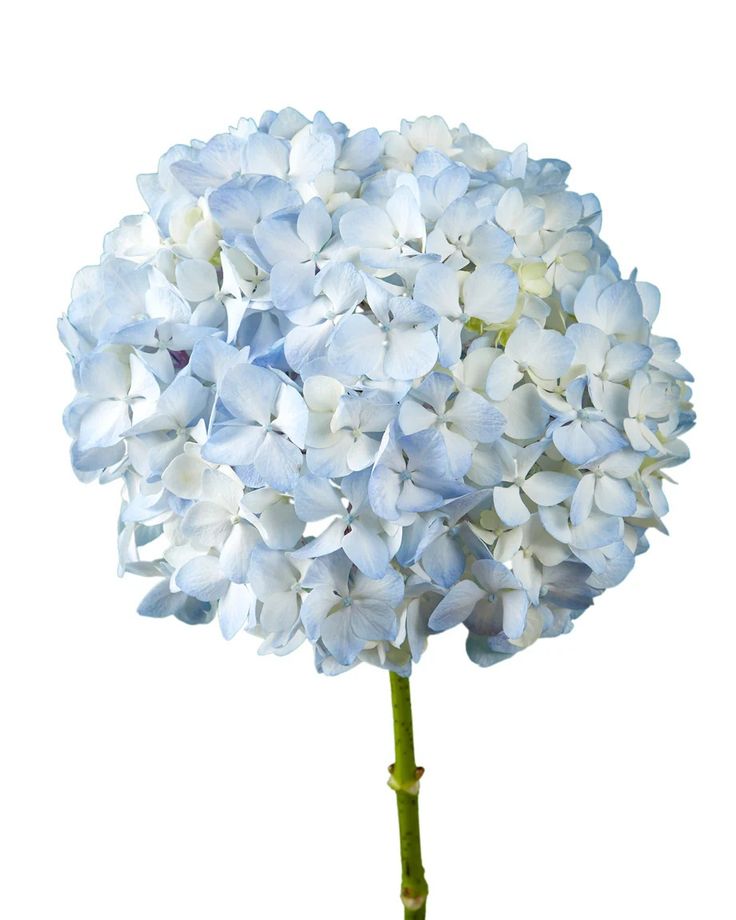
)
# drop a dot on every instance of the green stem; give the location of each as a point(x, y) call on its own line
point(404, 780)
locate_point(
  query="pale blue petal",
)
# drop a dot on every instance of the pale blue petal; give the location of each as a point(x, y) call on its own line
point(366, 550)
point(235, 554)
point(103, 424)
point(417, 498)
point(356, 346)
point(278, 461)
point(360, 150)
point(620, 309)
point(456, 606)
point(605, 437)
point(553, 356)
point(331, 571)
point(481, 652)
point(249, 392)
point(582, 500)
point(338, 637)
point(280, 527)
point(235, 208)
point(435, 389)
point(202, 577)
point(342, 283)
point(525, 413)
point(278, 240)
point(185, 400)
point(280, 612)
point(619, 562)
point(596, 531)
point(591, 346)
point(444, 561)
point(567, 585)
point(329, 541)
point(373, 620)
point(367, 227)
point(389, 588)
point(314, 225)
point(575, 444)
point(234, 444)
point(549, 488)
point(315, 498)
point(161, 602)
point(489, 243)
point(270, 571)
point(494, 576)
point(235, 609)
point(292, 284)
point(438, 286)
point(292, 415)
point(515, 605)
point(625, 358)
point(266, 155)
point(449, 340)
point(384, 491)
point(410, 353)
point(330, 461)
point(315, 608)
point(476, 418)
point(306, 343)
point(615, 496)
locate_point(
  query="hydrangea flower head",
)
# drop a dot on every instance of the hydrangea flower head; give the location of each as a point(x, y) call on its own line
point(361, 389)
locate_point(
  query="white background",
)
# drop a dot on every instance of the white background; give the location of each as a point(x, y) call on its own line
point(151, 770)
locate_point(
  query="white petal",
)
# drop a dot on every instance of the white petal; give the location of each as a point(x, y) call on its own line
point(311, 154)
point(197, 279)
point(502, 376)
point(490, 293)
point(403, 209)
point(509, 506)
point(207, 524)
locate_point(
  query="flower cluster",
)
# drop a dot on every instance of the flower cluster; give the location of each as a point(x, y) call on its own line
point(360, 389)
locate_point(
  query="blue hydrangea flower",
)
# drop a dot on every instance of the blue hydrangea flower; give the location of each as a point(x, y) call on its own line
point(363, 388)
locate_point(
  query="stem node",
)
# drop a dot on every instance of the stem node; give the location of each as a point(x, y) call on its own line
point(411, 787)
